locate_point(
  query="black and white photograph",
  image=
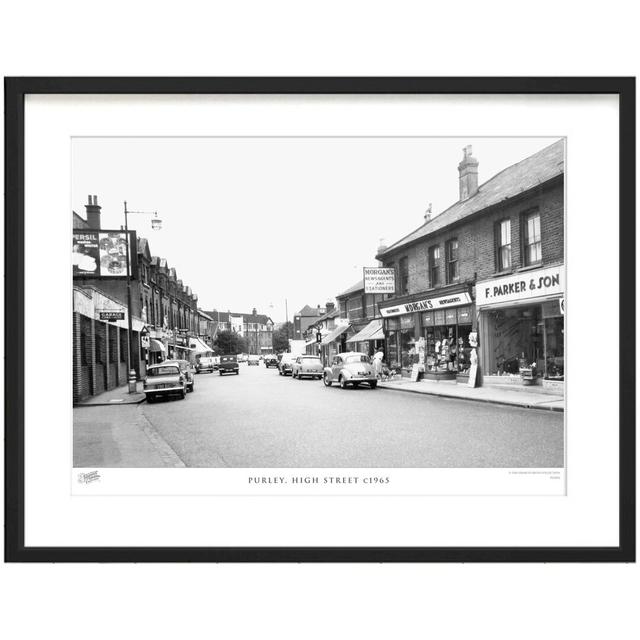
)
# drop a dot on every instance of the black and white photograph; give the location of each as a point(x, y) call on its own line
point(322, 327)
point(319, 302)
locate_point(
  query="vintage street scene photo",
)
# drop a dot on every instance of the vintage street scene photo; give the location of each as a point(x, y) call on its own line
point(318, 302)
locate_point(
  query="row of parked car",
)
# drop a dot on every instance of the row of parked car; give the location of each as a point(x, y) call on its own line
point(177, 377)
point(347, 369)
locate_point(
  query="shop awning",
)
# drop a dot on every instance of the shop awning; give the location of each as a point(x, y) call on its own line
point(336, 333)
point(370, 332)
point(156, 346)
point(199, 346)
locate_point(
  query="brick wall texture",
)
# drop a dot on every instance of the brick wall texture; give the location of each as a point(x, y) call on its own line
point(477, 244)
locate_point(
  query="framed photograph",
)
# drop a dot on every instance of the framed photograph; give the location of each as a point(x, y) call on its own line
point(320, 319)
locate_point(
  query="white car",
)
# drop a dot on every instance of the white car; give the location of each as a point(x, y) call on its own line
point(307, 367)
point(350, 368)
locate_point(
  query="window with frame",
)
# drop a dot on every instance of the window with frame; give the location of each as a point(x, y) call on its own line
point(403, 268)
point(532, 238)
point(503, 245)
point(434, 269)
point(452, 260)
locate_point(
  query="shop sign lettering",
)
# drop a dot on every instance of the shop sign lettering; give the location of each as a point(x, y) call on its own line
point(533, 284)
point(379, 280)
point(427, 305)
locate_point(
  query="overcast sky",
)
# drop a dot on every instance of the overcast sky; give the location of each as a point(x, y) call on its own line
point(250, 222)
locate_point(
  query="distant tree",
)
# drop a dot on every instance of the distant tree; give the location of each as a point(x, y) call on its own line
point(281, 337)
point(230, 342)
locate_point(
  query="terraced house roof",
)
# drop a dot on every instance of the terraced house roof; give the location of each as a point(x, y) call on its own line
point(510, 182)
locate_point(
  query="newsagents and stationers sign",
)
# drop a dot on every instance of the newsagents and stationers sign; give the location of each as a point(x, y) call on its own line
point(428, 304)
point(540, 283)
point(379, 280)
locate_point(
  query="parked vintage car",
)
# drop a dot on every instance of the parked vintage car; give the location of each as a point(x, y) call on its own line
point(307, 367)
point(187, 370)
point(253, 360)
point(271, 361)
point(205, 363)
point(285, 364)
point(228, 364)
point(164, 380)
point(350, 368)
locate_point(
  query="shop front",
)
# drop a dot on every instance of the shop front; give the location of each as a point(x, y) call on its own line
point(369, 338)
point(431, 332)
point(334, 342)
point(522, 328)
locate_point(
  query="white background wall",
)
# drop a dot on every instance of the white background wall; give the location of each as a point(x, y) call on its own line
point(331, 38)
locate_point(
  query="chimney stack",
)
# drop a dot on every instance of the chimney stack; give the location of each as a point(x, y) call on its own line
point(468, 170)
point(330, 306)
point(427, 213)
point(381, 247)
point(93, 213)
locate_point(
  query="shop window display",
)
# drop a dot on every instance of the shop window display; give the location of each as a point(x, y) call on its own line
point(516, 342)
point(446, 337)
point(554, 348)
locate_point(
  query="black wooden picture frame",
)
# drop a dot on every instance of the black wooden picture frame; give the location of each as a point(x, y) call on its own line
point(15, 91)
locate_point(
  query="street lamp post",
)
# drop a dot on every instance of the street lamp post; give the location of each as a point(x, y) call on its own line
point(156, 224)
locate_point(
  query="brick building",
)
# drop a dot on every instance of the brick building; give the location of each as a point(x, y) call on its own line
point(492, 263)
point(304, 319)
point(164, 313)
point(255, 327)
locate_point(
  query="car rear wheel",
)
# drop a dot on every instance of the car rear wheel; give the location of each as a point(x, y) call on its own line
point(325, 379)
point(373, 384)
point(343, 382)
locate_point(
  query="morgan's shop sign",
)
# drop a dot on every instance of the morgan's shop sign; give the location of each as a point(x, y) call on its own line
point(379, 280)
point(521, 286)
point(427, 305)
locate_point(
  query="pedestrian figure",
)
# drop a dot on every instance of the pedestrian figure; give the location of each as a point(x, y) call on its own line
point(377, 363)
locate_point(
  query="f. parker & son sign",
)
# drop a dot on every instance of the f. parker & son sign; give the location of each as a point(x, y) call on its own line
point(521, 286)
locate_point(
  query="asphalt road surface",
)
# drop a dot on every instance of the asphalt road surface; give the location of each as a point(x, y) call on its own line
point(261, 419)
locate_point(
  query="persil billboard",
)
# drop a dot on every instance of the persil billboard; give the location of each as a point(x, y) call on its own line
point(102, 254)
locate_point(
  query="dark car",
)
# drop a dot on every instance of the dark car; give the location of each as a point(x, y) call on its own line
point(228, 364)
point(271, 361)
point(187, 370)
point(286, 364)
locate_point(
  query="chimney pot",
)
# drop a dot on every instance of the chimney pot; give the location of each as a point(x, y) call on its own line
point(468, 171)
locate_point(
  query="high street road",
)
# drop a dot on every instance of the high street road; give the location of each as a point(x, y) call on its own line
point(261, 419)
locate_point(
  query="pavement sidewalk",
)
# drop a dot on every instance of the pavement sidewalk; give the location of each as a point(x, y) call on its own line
point(517, 397)
point(117, 396)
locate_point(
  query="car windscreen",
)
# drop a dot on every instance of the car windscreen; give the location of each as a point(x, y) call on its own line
point(311, 359)
point(356, 358)
point(164, 371)
point(228, 359)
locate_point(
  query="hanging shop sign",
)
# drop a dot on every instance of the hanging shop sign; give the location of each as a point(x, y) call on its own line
point(521, 286)
point(379, 280)
point(101, 254)
point(452, 300)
